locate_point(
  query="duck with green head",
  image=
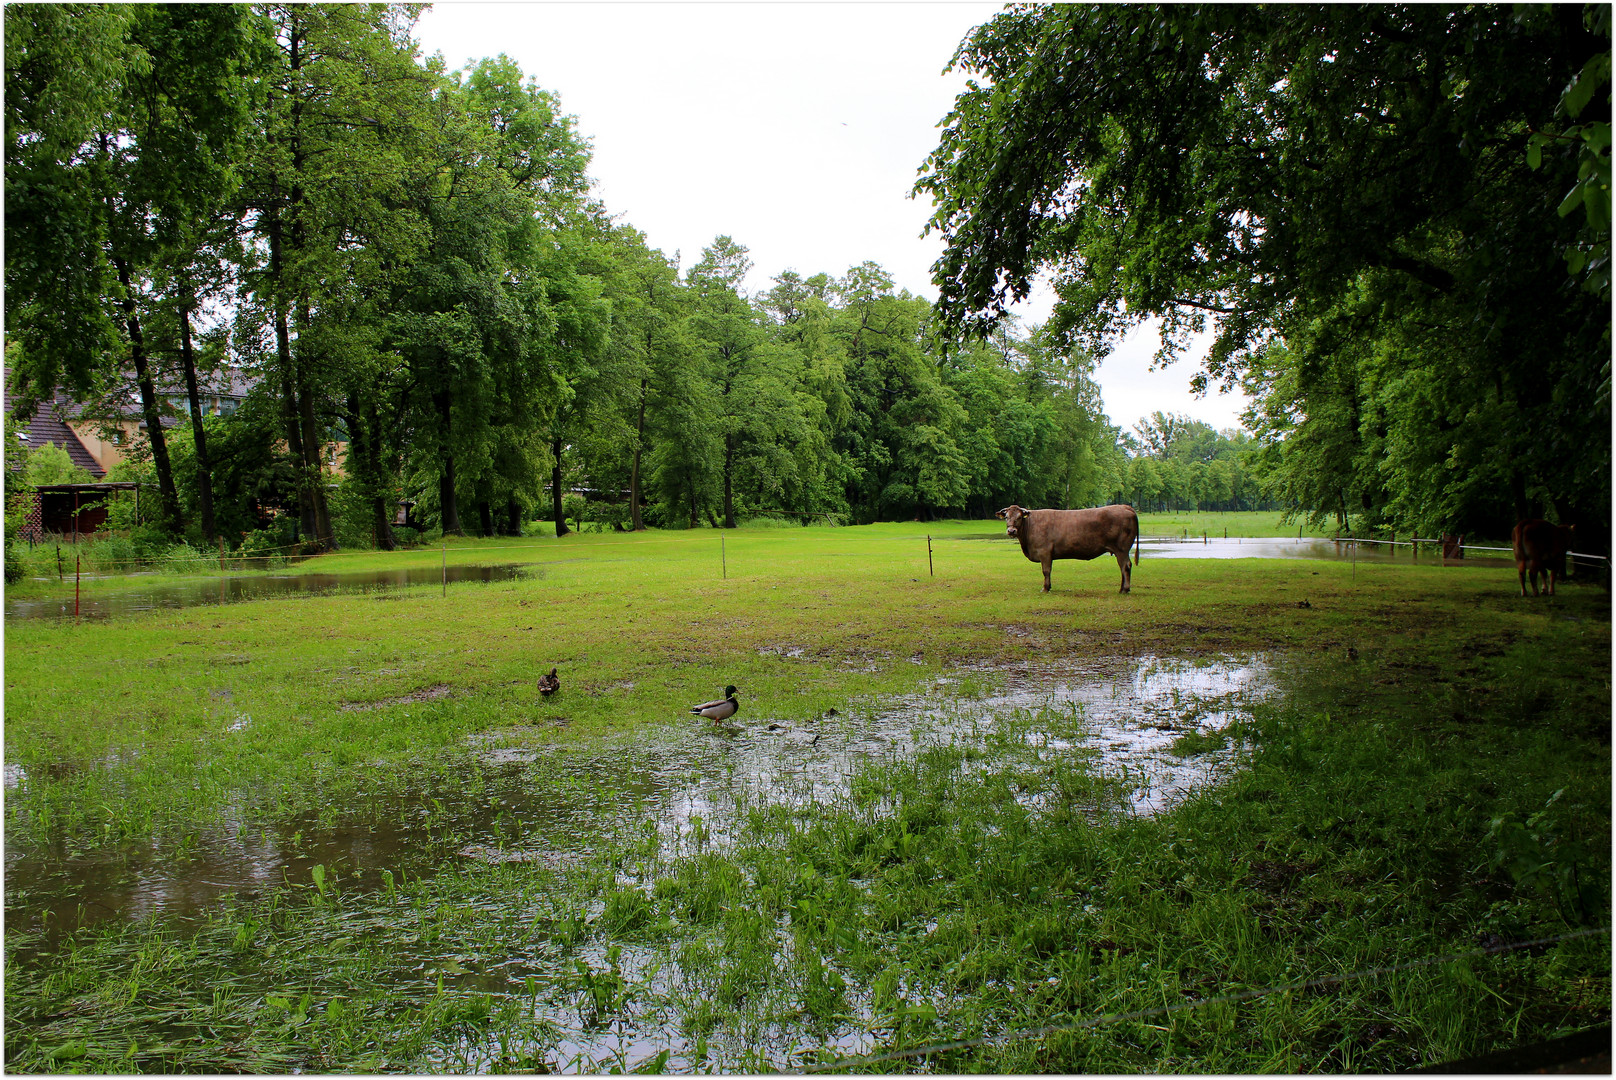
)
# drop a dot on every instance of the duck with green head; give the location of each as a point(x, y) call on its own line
point(720, 710)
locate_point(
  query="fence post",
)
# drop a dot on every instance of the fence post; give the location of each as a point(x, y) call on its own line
point(75, 585)
point(929, 565)
point(445, 567)
point(723, 554)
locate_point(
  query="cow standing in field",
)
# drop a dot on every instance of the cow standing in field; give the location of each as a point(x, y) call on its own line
point(1540, 549)
point(1047, 535)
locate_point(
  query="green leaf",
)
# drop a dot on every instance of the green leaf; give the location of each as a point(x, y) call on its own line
point(1595, 73)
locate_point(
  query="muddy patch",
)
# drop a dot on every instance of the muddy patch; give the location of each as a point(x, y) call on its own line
point(428, 693)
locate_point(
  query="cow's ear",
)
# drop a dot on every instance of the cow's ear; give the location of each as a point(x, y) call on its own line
point(1001, 514)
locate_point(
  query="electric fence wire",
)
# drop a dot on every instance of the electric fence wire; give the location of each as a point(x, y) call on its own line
point(854, 1063)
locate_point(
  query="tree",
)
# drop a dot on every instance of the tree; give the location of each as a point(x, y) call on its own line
point(649, 335)
point(326, 199)
point(120, 182)
point(1262, 170)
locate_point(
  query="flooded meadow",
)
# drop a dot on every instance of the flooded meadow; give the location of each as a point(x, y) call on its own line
point(957, 825)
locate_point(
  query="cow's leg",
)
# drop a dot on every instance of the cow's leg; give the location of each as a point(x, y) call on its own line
point(1122, 561)
point(1520, 568)
point(1046, 574)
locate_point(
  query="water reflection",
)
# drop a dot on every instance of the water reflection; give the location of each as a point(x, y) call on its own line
point(503, 798)
point(226, 590)
point(1308, 547)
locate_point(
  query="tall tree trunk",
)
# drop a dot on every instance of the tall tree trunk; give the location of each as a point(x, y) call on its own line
point(283, 359)
point(485, 517)
point(448, 501)
point(380, 499)
point(1517, 494)
point(555, 486)
point(729, 478)
point(448, 506)
point(513, 511)
point(636, 523)
point(313, 466)
point(364, 464)
point(204, 470)
point(167, 493)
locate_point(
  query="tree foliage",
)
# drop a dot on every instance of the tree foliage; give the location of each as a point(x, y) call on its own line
point(1343, 197)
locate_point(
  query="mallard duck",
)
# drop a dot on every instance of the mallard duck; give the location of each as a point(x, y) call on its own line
point(549, 684)
point(722, 709)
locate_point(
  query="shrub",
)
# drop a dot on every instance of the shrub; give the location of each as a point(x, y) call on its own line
point(260, 550)
point(613, 514)
point(766, 521)
point(405, 536)
point(575, 508)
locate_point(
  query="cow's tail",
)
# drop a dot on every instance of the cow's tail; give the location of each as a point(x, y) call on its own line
point(1137, 548)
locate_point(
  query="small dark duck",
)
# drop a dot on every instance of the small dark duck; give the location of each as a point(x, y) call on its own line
point(722, 709)
point(549, 684)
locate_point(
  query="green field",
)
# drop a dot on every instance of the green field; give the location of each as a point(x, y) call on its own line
point(1424, 786)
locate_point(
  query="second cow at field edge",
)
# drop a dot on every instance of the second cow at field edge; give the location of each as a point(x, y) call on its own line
point(1540, 552)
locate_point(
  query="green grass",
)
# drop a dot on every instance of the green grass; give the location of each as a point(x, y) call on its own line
point(1397, 805)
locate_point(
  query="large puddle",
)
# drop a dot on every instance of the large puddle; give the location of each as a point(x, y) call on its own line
point(1151, 730)
point(508, 797)
point(1309, 547)
point(258, 586)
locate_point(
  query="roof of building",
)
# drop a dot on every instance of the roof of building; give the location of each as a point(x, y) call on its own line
point(47, 425)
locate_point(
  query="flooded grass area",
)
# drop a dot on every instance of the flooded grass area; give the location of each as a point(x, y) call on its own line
point(1149, 730)
point(162, 593)
point(958, 825)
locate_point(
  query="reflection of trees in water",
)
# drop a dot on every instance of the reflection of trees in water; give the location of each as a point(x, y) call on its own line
point(227, 590)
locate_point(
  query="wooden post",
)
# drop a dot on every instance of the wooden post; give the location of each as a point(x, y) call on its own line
point(929, 565)
point(75, 585)
point(723, 554)
point(59, 577)
point(445, 567)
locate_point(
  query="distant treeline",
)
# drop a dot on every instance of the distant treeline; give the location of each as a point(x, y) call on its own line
point(410, 262)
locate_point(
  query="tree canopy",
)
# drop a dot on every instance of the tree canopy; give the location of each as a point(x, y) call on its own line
point(1349, 198)
point(1393, 220)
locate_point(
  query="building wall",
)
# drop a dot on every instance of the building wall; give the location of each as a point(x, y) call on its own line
point(106, 453)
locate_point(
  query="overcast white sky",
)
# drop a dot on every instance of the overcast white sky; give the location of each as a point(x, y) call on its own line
point(795, 128)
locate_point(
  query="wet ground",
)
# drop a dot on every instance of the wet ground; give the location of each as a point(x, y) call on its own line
point(1311, 547)
point(262, 586)
point(162, 593)
point(509, 797)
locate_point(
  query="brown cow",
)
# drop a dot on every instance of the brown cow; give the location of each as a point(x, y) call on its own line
point(1047, 535)
point(1540, 548)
